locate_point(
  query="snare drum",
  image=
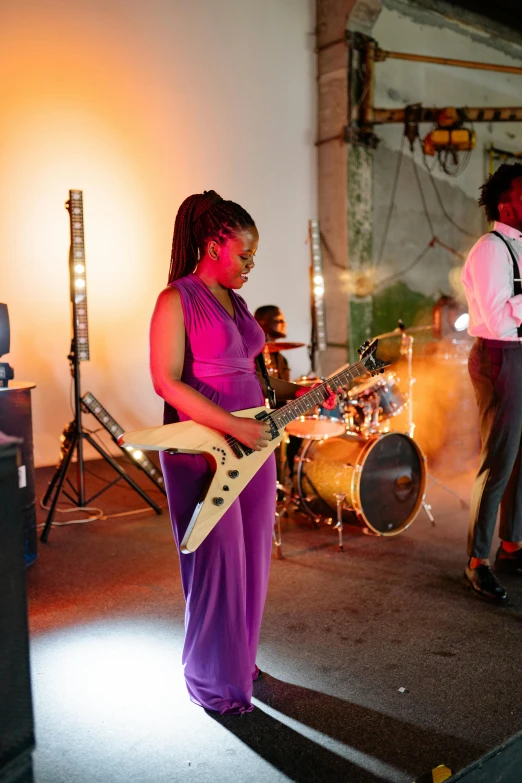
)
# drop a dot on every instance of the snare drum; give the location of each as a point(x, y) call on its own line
point(318, 422)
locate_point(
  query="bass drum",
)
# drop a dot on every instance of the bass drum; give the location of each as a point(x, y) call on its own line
point(382, 480)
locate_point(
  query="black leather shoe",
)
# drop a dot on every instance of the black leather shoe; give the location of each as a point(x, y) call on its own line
point(508, 562)
point(485, 584)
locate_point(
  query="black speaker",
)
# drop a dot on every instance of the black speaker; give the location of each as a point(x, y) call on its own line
point(502, 765)
point(16, 420)
point(5, 332)
point(16, 710)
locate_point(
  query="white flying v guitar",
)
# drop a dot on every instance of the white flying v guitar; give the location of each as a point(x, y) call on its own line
point(232, 463)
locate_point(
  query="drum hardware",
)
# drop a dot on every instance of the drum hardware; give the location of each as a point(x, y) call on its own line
point(281, 510)
point(285, 499)
point(375, 401)
point(384, 496)
point(340, 497)
point(406, 349)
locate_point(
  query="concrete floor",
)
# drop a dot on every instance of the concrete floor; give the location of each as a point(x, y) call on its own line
point(343, 635)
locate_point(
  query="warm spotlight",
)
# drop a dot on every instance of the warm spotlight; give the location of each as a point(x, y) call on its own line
point(450, 319)
point(462, 322)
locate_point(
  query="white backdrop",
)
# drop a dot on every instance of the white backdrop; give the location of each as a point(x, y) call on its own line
point(140, 103)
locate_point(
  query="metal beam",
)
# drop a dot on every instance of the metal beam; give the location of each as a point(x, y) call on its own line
point(426, 114)
point(381, 55)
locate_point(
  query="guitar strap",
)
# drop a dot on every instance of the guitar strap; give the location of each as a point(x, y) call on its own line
point(517, 285)
point(264, 372)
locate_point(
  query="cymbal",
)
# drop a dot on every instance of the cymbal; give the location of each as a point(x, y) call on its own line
point(281, 346)
point(398, 332)
point(306, 380)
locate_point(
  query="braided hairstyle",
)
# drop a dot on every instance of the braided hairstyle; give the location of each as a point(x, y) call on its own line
point(496, 188)
point(202, 217)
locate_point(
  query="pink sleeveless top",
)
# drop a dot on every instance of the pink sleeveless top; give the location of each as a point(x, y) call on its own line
point(220, 350)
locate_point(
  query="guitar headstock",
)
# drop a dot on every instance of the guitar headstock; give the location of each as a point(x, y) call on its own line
point(367, 352)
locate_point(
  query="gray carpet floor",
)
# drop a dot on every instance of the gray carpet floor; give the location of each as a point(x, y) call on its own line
point(378, 665)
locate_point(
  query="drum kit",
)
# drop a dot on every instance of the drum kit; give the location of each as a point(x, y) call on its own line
point(347, 466)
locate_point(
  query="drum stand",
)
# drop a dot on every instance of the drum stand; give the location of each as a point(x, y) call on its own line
point(406, 349)
point(290, 498)
point(340, 497)
point(281, 511)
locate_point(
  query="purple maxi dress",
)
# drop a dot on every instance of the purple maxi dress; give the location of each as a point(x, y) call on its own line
point(225, 580)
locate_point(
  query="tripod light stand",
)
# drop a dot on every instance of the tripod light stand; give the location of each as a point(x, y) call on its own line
point(74, 435)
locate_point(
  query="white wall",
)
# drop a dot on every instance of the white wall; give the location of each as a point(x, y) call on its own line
point(399, 83)
point(139, 104)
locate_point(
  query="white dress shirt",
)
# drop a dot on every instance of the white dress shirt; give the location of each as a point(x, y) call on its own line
point(494, 313)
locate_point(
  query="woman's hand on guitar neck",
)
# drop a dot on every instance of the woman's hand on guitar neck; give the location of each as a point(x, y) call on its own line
point(250, 432)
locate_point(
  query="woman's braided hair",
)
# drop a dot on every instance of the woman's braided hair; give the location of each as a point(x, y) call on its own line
point(497, 186)
point(202, 217)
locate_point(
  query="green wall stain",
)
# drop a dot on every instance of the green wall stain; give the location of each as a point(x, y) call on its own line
point(400, 301)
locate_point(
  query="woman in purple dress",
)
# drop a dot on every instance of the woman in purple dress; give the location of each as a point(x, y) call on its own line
point(203, 342)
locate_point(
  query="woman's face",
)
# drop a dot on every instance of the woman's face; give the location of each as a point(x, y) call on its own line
point(235, 257)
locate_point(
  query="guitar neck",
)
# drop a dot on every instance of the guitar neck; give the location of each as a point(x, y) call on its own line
point(292, 410)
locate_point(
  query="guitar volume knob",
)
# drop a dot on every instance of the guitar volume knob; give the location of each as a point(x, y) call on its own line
point(218, 501)
point(233, 473)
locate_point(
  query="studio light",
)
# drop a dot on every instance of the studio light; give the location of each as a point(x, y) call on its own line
point(113, 428)
point(75, 435)
point(462, 322)
point(77, 273)
point(318, 306)
point(450, 319)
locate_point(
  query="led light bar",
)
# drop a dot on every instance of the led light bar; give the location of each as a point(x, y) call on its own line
point(77, 274)
point(317, 283)
point(113, 428)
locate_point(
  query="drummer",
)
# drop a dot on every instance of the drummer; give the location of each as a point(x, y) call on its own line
point(273, 323)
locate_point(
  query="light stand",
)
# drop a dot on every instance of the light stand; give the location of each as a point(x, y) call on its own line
point(74, 434)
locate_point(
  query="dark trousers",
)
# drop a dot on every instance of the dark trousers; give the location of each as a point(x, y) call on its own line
point(495, 368)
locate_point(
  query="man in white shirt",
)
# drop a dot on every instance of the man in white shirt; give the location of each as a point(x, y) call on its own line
point(493, 289)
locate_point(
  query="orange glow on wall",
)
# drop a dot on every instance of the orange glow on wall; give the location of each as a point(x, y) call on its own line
point(124, 102)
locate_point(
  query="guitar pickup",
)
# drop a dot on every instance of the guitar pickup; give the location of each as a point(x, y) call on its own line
point(235, 446)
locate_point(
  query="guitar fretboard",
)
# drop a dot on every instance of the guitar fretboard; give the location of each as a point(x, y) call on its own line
point(298, 407)
point(77, 273)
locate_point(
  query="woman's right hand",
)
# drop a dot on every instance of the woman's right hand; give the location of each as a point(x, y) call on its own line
point(250, 432)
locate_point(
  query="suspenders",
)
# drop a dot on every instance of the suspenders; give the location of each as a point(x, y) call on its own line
point(517, 284)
